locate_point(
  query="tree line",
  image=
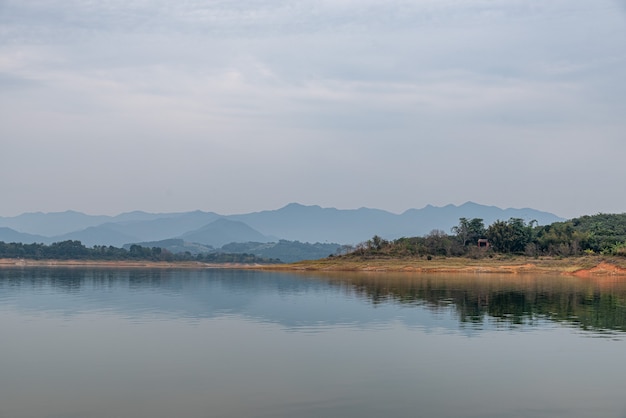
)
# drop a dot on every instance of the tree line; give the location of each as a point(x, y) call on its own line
point(598, 234)
point(75, 250)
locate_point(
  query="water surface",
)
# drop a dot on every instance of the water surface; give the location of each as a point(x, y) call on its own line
point(226, 343)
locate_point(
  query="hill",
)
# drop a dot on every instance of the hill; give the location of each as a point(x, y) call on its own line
point(316, 224)
point(224, 231)
point(293, 222)
point(11, 235)
point(283, 250)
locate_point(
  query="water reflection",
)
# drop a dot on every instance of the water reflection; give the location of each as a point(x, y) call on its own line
point(104, 343)
point(314, 300)
point(590, 303)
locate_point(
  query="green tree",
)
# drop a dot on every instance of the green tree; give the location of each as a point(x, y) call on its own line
point(437, 242)
point(469, 231)
point(510, 236)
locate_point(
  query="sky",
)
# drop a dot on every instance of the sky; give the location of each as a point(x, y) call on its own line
point(237, 106)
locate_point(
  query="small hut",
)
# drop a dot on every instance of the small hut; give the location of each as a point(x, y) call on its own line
point(483, 243)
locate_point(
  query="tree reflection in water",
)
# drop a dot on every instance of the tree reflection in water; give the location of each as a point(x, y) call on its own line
point(597, 304)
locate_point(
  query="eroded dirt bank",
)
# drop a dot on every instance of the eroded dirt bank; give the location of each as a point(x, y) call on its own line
point(581, 267)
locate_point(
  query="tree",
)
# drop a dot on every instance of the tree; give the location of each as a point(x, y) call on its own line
point(438, 242)
point(509, 236)
point(68, 249)
point(468, 232)
point(376, 243)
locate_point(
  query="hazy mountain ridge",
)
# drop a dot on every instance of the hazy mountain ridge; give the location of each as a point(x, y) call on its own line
point(11, 235)
point(286, 251)
point(224, 231)
point(167, 227)
point(59, 223)
point(293, 222)
point(98, 235)
point(316, 224)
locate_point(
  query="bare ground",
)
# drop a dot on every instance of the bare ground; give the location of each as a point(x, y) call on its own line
point(579, 266)
point(589, 266)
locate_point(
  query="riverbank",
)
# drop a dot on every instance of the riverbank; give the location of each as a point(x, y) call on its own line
point(577, 266)
point(123, 264)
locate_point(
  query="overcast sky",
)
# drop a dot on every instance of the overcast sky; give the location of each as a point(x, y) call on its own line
point(243, 105)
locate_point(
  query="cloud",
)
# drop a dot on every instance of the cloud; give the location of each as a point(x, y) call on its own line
point(299, 94)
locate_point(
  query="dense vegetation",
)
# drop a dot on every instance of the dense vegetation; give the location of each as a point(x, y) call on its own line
point(75, 250)
point(598, 234)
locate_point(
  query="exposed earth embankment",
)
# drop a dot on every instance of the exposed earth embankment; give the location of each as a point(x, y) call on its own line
point(577, 266)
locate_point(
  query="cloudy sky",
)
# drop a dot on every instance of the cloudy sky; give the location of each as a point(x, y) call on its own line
point(243, 105)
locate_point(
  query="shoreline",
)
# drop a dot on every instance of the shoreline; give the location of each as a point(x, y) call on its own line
point(122, 264)
point(573, 266)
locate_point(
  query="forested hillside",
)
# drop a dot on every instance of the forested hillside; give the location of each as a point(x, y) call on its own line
point(598, 234)
point(75, 250)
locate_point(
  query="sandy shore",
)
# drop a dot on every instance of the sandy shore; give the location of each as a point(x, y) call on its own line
point(577, 266)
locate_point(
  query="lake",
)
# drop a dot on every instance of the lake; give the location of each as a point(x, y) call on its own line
point(96, 343)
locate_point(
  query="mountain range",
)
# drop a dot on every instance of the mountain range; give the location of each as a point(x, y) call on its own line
point(294, 222)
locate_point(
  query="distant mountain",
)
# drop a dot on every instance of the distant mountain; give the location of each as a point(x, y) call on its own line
point(138, 216)
point(444, 218)
point(98, 235)
point(294, 222)
point(106, 230)
point(59, 223)
point(316, 224)
point(286, 251)
point(297, 222)
point(165, 227)
point(10, 235)
point(50, 224)
point(224, 231)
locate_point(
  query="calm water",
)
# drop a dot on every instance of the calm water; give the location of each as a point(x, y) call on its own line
point(221, 343)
